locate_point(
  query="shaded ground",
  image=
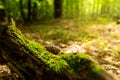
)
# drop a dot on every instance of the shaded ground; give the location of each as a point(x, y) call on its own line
point(100, 40)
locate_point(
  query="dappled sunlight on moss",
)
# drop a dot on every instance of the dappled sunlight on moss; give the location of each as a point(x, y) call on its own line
point(57, 64)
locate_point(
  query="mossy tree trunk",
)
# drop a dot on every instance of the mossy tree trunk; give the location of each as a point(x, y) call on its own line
point(32, 61)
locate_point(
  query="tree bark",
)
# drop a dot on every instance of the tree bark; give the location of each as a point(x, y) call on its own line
point(21, 10)
point(34, 11)
point(32, 61)
point(29, 10)
point(3, 12)
point(58, 8)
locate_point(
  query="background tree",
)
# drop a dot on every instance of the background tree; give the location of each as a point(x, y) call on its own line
point(29, 10)
point(74, 9)
point(34, 11)
point(58, 8)
point(21, 10)
point(2, 12)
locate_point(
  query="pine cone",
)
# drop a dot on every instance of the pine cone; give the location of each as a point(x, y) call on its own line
point(53, 49)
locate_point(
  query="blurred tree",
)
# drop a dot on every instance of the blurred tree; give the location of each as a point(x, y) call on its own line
point(6, 12)
point(28, 17)
point(58, 8)
point(21, 10)
point(29, 10)
point(3, 1)
point(34, 11)
point(2, 15)
point(2, 12)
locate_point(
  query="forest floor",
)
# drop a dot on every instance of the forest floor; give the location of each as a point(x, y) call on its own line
point(99, 40)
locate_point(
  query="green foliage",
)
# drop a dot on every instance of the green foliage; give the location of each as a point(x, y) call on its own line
point(84, 35)
point(80, 9)
point(65, 36)
point(103, 19)
point(59, 35)
point(1, 7)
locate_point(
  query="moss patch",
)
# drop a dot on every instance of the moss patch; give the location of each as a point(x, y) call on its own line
point(76, 61)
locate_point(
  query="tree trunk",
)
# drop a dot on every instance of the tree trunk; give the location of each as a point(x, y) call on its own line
point(29, 10)
point(32, 61)
point(3, 12)
point(58, 8)
point(21, 11)
point(2, 15)
point(34, 11)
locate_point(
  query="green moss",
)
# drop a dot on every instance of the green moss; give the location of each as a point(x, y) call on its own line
point(81, 63)
point(95, 72)
point(11, 27)
point(14, 32)
point(76, 61)
point(96, 68)
point(57, 64)
point(34, 48)
point(45, 56)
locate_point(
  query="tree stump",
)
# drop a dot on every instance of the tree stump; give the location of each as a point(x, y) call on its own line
point(31, 61)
